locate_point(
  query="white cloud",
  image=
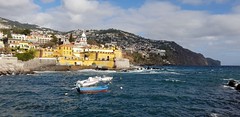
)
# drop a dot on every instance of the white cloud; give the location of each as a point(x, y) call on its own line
point(43, 19)
point(200, 2)
point(17, 9)
point(193, 2)
point(80, 6)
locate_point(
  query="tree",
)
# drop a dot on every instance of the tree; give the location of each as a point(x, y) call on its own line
point(26, 32)
point(9, 35)
point(21, 31)
point(71, 39)
point(54, 39)
point(5, 40)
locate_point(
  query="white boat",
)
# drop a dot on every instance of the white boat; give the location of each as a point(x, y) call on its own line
point(88, 82)
point(106, 78)
point(93, 81)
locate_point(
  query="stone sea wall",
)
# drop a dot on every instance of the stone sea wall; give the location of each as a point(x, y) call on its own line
point(13, 69)
point(122, 63)
point(37, 63)
point(12, 66)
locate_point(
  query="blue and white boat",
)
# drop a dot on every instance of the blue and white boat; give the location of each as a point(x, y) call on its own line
point(91, 81)
point(92, 90)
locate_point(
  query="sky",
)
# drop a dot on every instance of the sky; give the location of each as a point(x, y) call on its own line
point(209, 27)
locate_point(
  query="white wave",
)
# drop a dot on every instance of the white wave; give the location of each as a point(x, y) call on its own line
point(137, 71)
point(152, 72)
point(39, 72)
point(173, 80)
point(228, 79)
point(167, 72)
point(86, 70)
point(226, 86)
point(214, 115)
point(175, 73)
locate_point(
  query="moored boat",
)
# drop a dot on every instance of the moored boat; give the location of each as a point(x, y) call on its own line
point(106, 79)
point(88, 82)
point(93, 81)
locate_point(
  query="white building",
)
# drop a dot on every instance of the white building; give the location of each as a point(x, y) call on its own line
point(41, 39)
point(98, 50)
point(77, 50)
point(32, 39)
point(19, 37)
point(20, 44)
point(44, 39)
point(1, 35)
point(1, 44)
point(81, 42)
point(159, 52)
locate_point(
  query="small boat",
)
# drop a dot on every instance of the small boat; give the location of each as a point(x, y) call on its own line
point(93, 81)
point(92, 90)
point(106, 78)
point(88, 82)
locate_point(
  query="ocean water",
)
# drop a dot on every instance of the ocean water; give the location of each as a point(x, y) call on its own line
point(164, 92)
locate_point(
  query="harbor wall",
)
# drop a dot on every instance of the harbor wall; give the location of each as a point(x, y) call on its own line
point(39, 62)
point(11, 66)
point(122, 63)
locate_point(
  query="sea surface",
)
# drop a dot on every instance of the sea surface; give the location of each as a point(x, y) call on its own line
point(164, 92)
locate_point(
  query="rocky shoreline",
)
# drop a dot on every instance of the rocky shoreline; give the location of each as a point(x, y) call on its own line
point(13, 69)
point(18, 69)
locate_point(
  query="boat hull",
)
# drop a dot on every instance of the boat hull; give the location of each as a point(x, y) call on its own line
point(92, 90)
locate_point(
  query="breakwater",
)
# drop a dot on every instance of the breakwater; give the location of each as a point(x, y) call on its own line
point(13, 69)
point(12, 66)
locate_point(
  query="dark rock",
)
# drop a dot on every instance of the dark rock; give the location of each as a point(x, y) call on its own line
point(238, 87)
point(232, 83)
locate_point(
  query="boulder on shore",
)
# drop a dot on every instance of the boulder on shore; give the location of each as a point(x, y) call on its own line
point(235, 84)
point(238, 87)
point(232, 83)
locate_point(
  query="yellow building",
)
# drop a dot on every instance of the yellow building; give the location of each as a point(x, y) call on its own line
point(118, 54)
point(47, 53)
point(65, 50)
point(78, 54)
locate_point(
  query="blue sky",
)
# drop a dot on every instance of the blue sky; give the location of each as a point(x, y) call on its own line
point(210, 27)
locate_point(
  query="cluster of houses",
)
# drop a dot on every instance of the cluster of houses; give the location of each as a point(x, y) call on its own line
point(26, 42)
point(68, 53)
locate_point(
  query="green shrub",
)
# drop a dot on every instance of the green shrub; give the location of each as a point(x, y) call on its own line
point(26, 55)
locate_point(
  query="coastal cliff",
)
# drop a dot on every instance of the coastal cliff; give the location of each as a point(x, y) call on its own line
point(143, 51)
